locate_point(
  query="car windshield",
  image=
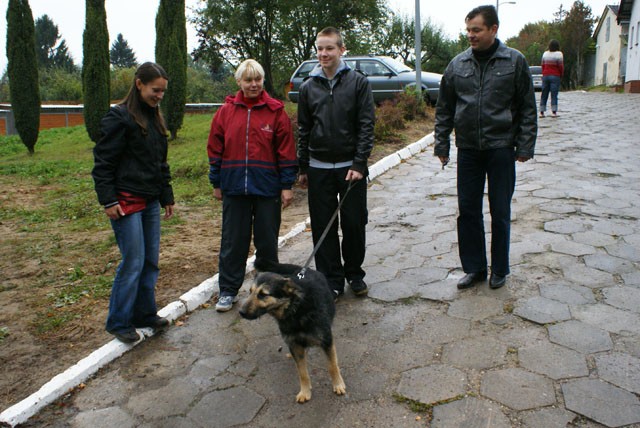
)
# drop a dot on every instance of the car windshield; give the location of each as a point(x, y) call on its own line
point(536, 69)
point(396, 66)
point(306, 68)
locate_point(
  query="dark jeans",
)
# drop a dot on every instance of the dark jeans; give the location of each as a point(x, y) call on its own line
point(133, 298)
point(498, 167)
point(550, 84)
point(325, 187)
point(242, 215)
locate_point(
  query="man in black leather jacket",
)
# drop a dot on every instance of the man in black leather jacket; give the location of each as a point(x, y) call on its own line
point(487, 96)
point(336, 117)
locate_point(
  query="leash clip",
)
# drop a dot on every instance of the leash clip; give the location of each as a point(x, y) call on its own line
point(301, 273)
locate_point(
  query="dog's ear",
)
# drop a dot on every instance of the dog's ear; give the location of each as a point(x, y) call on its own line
point(289, 287)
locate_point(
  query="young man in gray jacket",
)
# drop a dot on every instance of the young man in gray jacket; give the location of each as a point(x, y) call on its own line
point(336, 117)
point(487, 96)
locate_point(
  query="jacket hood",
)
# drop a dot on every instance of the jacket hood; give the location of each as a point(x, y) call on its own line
point(263, 99)
point(318, 72)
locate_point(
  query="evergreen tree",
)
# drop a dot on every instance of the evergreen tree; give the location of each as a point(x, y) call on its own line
point(171, 54)
point(122, 56)
point(23, 72)
point(95, 67)
point(49, 55)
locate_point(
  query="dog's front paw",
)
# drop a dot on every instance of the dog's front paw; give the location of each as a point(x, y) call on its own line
point(303, 396)
point(340, 388)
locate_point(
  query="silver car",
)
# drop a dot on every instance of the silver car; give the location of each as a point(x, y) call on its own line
point(387, 76)
point(536, 76)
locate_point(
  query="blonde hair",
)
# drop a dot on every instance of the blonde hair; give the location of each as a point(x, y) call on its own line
point(249, 68)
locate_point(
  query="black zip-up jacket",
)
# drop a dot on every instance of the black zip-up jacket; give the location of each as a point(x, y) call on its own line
point(128, 161)
point(491, 108)
point(336, 124)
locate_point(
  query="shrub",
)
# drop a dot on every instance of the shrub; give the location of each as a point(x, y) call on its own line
point(59, 84)
point(121, 79)
point(410, 105)
point(389, 118)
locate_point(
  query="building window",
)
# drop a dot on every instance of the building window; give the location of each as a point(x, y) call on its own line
point(608, 29)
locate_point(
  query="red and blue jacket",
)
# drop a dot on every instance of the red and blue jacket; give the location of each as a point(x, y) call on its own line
point(251, 148)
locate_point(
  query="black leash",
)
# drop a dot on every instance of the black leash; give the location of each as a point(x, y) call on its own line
point(326, 230)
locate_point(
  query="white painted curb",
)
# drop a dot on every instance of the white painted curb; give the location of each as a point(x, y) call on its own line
point(188, 302)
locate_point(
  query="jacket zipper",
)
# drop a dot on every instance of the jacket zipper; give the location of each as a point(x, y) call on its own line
point(246, 155)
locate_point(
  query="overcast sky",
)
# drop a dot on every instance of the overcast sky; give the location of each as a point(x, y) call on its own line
point(135, 19)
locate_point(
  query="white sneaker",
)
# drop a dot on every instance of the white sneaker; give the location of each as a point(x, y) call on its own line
point(225, 303)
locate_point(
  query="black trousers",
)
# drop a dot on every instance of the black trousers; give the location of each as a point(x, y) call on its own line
point(325, 187)
point(498, 168)
point(242, 215)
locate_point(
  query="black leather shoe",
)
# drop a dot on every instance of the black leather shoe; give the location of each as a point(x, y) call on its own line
point(497, 281)
point(470, 279)
point(157, 323)
point(128, 336)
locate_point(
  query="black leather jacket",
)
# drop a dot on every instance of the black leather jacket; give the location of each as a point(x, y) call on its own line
point(491, 109)
point(336, 124)
point(125, 160)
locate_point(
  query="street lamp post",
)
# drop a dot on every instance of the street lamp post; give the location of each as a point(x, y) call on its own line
point(498, 3)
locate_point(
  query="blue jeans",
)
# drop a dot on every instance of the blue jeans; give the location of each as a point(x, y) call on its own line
point(133, 299)
point(497, 166)
point(550, 84)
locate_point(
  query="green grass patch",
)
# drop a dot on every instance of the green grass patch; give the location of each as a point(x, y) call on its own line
point(4, 332)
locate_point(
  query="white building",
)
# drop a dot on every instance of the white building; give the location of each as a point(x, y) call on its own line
point(629, 19)
point(609, 49)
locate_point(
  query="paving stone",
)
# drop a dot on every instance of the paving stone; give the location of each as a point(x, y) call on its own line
point(214, 410)
point(572, 248)
point(170, 400)
point(622, 370)
point(548, 417)
point(476, 352)
point(627, 298)
point(433, 248)
point(439, 290)
point(558, 207)
point(97, 418)
point(518, 389)
point(469, 412)
point(607, 317)
point(593, 238)
point(569, 294)
point(542, 310)
point(392, 290)
point(554, 361)
point(432, 384)
point(439, 330)
point(565, 226)
point(608, 263)
point(475, 308)
point(421, 275)
point(170, 422)
point(612, 227)
point(624, 251)
point(580, 336)
point(632, 278)
point(602, 402)
point(583, 275)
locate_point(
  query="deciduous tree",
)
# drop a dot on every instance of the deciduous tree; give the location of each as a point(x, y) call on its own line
point(23, 72)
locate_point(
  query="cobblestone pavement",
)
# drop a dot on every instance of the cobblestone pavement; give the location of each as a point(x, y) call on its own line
point(558, 346)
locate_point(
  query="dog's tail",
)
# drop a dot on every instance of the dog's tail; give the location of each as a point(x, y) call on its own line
point(265, 265)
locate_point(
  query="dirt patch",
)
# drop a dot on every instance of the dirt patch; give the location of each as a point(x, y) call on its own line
point(30, 354)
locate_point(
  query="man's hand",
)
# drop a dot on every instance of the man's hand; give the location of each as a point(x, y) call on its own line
point(444, 160)
point(286, 196)
point(353, 175)
point(522, 158)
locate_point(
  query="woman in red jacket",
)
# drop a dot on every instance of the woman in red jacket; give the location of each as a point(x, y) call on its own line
point(253, 165)
point(552, 70)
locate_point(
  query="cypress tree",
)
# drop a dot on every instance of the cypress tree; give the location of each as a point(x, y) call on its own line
point(95, 67)
point(171, 54)
point(22, 70)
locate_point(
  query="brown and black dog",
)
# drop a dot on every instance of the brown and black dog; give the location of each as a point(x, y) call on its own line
point(304, 309)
